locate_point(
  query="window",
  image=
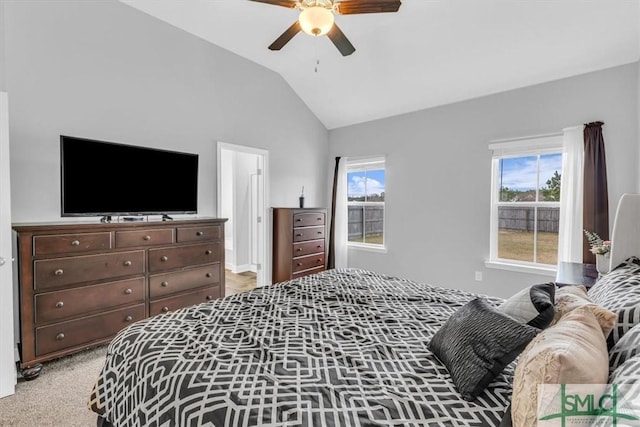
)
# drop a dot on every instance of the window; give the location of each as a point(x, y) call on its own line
point(365, 201)
point(525, 201)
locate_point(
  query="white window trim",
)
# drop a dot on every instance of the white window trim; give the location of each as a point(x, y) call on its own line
point(520, 147)
point(364, 164)
point(523, 267)
point(367, 247)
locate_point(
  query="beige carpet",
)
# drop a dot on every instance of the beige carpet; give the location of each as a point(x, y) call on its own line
point(58, 397)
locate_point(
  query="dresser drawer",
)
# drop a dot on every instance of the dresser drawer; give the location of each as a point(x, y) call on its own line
point(70, 243)
point(308, 233)
point(307, 272)
point(83, 331)
point(308, 219)
point(53, 273)
point(169, 283)
point(163, 259)
point(127, 239)
point(196, 234)
point(184, 300)
point(307, 262)
point(306, 248)
point(58, 305)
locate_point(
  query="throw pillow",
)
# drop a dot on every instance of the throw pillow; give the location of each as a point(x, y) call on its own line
point(627, 379)
point(569, 298)
point(532, 305)
point(476, 343)
point(573, 351)
point(619, 291)
point(626, 348)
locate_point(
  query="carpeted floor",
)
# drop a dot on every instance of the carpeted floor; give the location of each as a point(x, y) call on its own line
point(58, 397)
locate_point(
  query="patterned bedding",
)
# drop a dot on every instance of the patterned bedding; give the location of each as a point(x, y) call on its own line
point(339, 348)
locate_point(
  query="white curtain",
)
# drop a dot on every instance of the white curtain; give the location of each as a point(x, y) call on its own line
point(341, 216)
point(570, 236)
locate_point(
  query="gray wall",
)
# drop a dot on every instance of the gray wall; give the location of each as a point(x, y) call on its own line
point(2, 48)
point(439, 166)
point(103, 70)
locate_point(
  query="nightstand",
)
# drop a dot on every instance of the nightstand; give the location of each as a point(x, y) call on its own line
point(573, 274)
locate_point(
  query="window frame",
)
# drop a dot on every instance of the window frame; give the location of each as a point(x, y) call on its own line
point(533, 146)
point(363, 164)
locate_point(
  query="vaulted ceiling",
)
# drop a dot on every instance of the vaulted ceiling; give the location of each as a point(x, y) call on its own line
point(429, 53)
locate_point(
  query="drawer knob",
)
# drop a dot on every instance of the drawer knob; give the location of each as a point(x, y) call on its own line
point(199, 233)
point(299, 219)
point(164, 258)
point(299, 264)
point(299, 249)
point(164, 284)
point(209, 297)
point(165, 309)
point(299, 234)
point(128, 319)
point(128, 291)
point(59, 272)
point(208, 252)
point(60, 336)
point(75, 243)
point(127, 263)
point(147, 237)
point(59, 304)
point(319, 260)
point(319, 219)
point(208, 274)
point(319, 232)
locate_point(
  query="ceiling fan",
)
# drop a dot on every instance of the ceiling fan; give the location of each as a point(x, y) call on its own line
point(317, 18)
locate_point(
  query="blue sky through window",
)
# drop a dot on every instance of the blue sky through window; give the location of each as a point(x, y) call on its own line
point(520, 173)
point(371, 181)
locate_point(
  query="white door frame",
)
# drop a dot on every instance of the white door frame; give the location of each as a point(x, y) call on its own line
point(8, 374)
point(264, 254)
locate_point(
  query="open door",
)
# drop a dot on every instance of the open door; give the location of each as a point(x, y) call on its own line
point(242, 199)
point(7, 342)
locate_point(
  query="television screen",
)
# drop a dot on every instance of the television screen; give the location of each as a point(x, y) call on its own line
point(105, 178)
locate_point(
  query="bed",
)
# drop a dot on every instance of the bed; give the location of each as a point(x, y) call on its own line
point(351, 347)
point(340, 348)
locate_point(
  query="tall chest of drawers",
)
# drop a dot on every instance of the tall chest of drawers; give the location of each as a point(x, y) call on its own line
point(299, 242)
point(80, 283)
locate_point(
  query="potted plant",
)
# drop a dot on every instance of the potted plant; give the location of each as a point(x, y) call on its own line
point(601, 249)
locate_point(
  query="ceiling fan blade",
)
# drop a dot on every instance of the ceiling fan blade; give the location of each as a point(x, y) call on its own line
point(283, 3)
point(352, 7)
point(340, 40)
point(286, 36)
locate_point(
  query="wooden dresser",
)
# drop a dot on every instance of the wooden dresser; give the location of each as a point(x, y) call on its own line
point(299, 242)
point(80, 283)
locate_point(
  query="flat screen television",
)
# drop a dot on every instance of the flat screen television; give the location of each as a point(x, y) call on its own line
point(101, 178)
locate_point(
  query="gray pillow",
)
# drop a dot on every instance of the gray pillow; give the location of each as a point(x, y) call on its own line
point(476, 343)
point(627, 347)
point(619, 291)
point(532, 305)
point(627, 379)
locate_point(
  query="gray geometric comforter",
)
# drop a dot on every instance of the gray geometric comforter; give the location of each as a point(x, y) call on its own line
point(340, 348)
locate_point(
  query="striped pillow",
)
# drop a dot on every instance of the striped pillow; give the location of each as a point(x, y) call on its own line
point(619, 291)
point(627, 347)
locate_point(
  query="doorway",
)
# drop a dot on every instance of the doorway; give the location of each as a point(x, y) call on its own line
point(243, 199)
point(7, 359)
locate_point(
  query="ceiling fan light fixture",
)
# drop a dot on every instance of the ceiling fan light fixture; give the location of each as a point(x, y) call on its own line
point(316, 20)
